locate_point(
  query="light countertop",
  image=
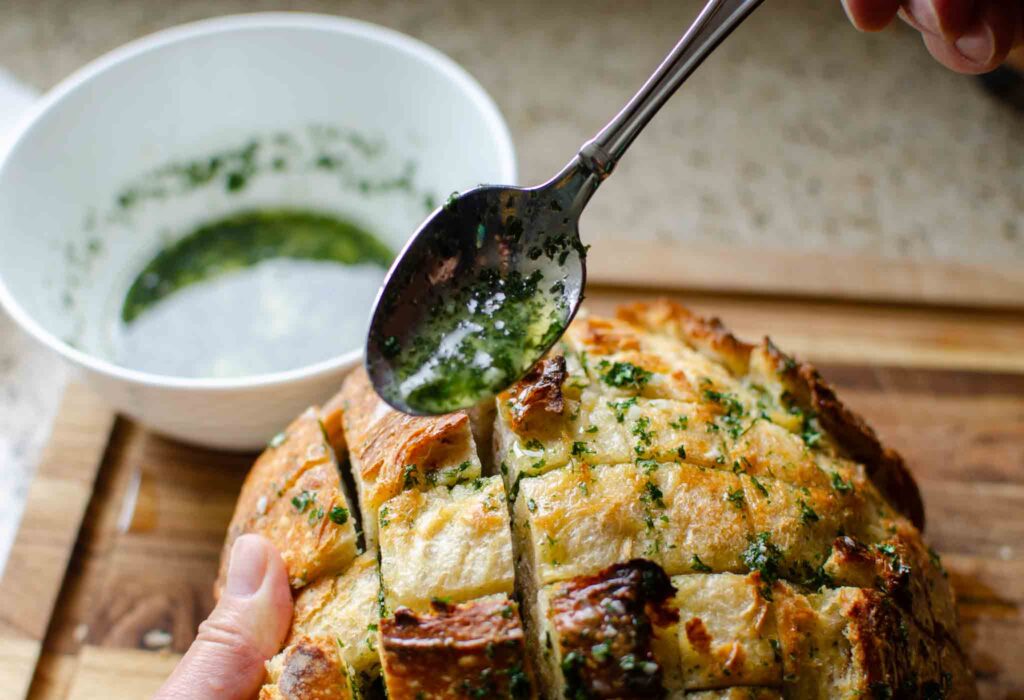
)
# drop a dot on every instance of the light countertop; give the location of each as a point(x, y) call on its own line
point(799, 133)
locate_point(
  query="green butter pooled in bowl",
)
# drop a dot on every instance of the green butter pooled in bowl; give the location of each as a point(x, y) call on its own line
point(256, 292)
point(245, 239)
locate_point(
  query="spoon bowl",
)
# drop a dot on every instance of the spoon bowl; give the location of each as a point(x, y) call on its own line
point(481, 292)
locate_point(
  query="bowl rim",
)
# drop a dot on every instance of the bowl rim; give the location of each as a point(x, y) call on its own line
point(392, 38)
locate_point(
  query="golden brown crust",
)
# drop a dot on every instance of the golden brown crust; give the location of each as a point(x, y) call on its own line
point(384, 443)
point(709, 335)
point(605, 336)
point(854, 436)
point(537, 397)
point(309, 669)
point(293, 496)
point(604, 624)
point(854, 642)
point(332, 417)
point(470, 650)
point(903, 568)
point(343, 609)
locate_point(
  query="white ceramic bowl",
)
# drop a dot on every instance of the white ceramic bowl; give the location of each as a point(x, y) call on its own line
point(69, 246)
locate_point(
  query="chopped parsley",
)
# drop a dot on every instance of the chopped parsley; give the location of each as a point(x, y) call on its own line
point(581, 448)
point(620, 408)
point(760, 487)
point(736, 497)
point(839, 485)
point(648, 465)
point(625, 375)
point(390, 347)
point(809, 430)
point(734, 412)
point(572, 663)
point(807, 514)
point(653, 494)
point(513, 493)
point(764, 557)
point(680, 423)
point(643, 433)
point(518, 683)
point(697, 565)
point(409, 472)
point(895, 560)
point(304, 500)
point(384, 519)
point(339, 515)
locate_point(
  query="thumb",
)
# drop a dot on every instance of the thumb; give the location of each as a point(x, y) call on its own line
point(245, 629)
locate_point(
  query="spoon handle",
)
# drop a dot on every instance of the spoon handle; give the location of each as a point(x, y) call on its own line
point(712, 26)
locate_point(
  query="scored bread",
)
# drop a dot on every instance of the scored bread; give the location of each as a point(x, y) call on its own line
point(663, 511)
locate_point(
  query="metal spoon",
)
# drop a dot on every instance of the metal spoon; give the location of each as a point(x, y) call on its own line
point(490, 281)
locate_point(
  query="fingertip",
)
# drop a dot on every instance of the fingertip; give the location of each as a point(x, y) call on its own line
point(985, 45)
point(948, 19)
point(279, 592)
point(247, 568)
point(947, 54)
point(257, 583)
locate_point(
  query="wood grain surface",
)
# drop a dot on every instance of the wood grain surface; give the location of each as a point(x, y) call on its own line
point(127, 526)
point(655, 265)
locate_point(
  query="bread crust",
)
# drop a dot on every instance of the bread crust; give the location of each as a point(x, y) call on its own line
point(855, 437)
point(470, 650)
point(308, 669)
point(601, 628)
point(293, 496)
point(646, 446)
point(538, 395)
point(390, 451)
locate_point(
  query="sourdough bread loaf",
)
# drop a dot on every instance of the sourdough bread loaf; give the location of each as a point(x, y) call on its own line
point(657, 510)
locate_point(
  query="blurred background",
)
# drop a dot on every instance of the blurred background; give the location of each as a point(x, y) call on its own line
point(800, 135)
point(804, 158)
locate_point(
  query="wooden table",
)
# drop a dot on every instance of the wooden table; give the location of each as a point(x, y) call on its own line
point(113, 566)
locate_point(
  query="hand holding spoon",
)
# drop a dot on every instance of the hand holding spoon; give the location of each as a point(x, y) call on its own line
point(491, 280)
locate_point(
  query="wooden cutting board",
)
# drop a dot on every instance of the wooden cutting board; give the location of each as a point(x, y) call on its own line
point(113, 566)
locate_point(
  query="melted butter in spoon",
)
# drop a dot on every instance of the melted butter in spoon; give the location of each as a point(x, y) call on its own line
point(479, 340)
